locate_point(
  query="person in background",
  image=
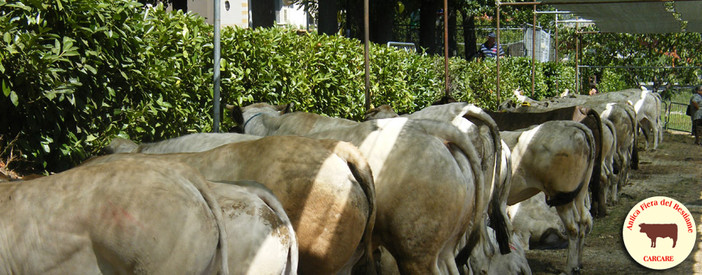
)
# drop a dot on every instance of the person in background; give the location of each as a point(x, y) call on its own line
point(593, 90)
point(696, 102)
point(489, 48)
point(593, 85)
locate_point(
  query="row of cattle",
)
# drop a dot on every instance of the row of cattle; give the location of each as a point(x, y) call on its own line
point(425, 193)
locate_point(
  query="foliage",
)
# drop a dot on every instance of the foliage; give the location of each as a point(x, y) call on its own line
point(476, 82)
point(661, 59)
point(321, 74)
point(75, 74)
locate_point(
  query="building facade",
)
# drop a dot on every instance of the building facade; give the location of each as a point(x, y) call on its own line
point(238, 12)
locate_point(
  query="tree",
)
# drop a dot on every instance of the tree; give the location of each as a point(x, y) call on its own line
point(427, 25)
point(263, 13)
point(662, 59)
point(469, 39)
point(382, 13)
point(327, 17)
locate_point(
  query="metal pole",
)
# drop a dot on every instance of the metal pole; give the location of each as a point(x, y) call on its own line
point(522, 3)
point(556, 43)
point(556, 48)
point(590, 2)
point(497, 3)
point(577, 51)
point(533, 52)
point(217, 21)
point(553, 12)
point(446, 50)
point(366, 52)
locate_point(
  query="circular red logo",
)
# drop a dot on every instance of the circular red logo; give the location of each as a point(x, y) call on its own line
point(659, 232)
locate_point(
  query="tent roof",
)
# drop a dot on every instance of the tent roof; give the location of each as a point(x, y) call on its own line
point(636, 16)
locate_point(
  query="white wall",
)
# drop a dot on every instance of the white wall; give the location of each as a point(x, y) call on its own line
point(291, 15)
point(238, 12)
point(236, 15)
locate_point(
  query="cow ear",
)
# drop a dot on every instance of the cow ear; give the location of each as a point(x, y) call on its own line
point(237, 114)
point(287, 108)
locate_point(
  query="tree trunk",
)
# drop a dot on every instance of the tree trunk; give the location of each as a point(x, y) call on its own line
point(469, 35)
point(427, 25)
point(382, 20)
point(452, 44)
point(353, 28)
point(262, 13)
point(327, 17)
point(180, 5)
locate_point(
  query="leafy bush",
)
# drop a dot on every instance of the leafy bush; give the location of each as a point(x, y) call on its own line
point(558, 77)
point(612, 81)
point(75, 74)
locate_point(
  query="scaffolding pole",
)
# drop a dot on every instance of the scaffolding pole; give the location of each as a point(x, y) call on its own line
point(216, 78)
point(446, 51)
point(366, 52)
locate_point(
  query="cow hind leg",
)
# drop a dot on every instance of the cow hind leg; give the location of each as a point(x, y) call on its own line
point(447, 263)
point(425, 265)
point(578, 222)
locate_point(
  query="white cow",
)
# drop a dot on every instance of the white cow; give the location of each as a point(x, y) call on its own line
point(483, 133)
point(325, 186)
point(136, 216)
point(647, 106)
point(499, 264)
point(512, 263)
point(197, 142)
point(537, 224)
point(623, 118)
point(425, 176)
point(559, 165)
point(608, 180)
point(648, 112)
point(261, 237)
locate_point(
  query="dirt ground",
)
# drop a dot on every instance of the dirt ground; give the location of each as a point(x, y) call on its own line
point(673, 170)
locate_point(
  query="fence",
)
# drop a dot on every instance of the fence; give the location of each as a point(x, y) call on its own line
point(674, 117)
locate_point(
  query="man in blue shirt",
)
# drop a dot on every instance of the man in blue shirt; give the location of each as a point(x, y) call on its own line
point(489, 48)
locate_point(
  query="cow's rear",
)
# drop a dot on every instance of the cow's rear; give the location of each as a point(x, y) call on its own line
point(122, 217)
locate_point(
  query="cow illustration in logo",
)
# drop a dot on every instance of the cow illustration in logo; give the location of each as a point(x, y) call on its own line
point(654, 231)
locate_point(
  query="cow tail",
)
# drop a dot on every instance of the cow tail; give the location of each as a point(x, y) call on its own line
point(593, 151)
point(595, 186)
point(500, 203)
point(364, 176)
point(496, 211)
point(456, 139)
point(634, 149)
point(635, 158)
point(204, 189)
point(267, 196)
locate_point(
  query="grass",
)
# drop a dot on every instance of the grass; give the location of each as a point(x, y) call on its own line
point(675, 113)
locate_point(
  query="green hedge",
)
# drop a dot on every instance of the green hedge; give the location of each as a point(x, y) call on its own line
point(75, 74)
